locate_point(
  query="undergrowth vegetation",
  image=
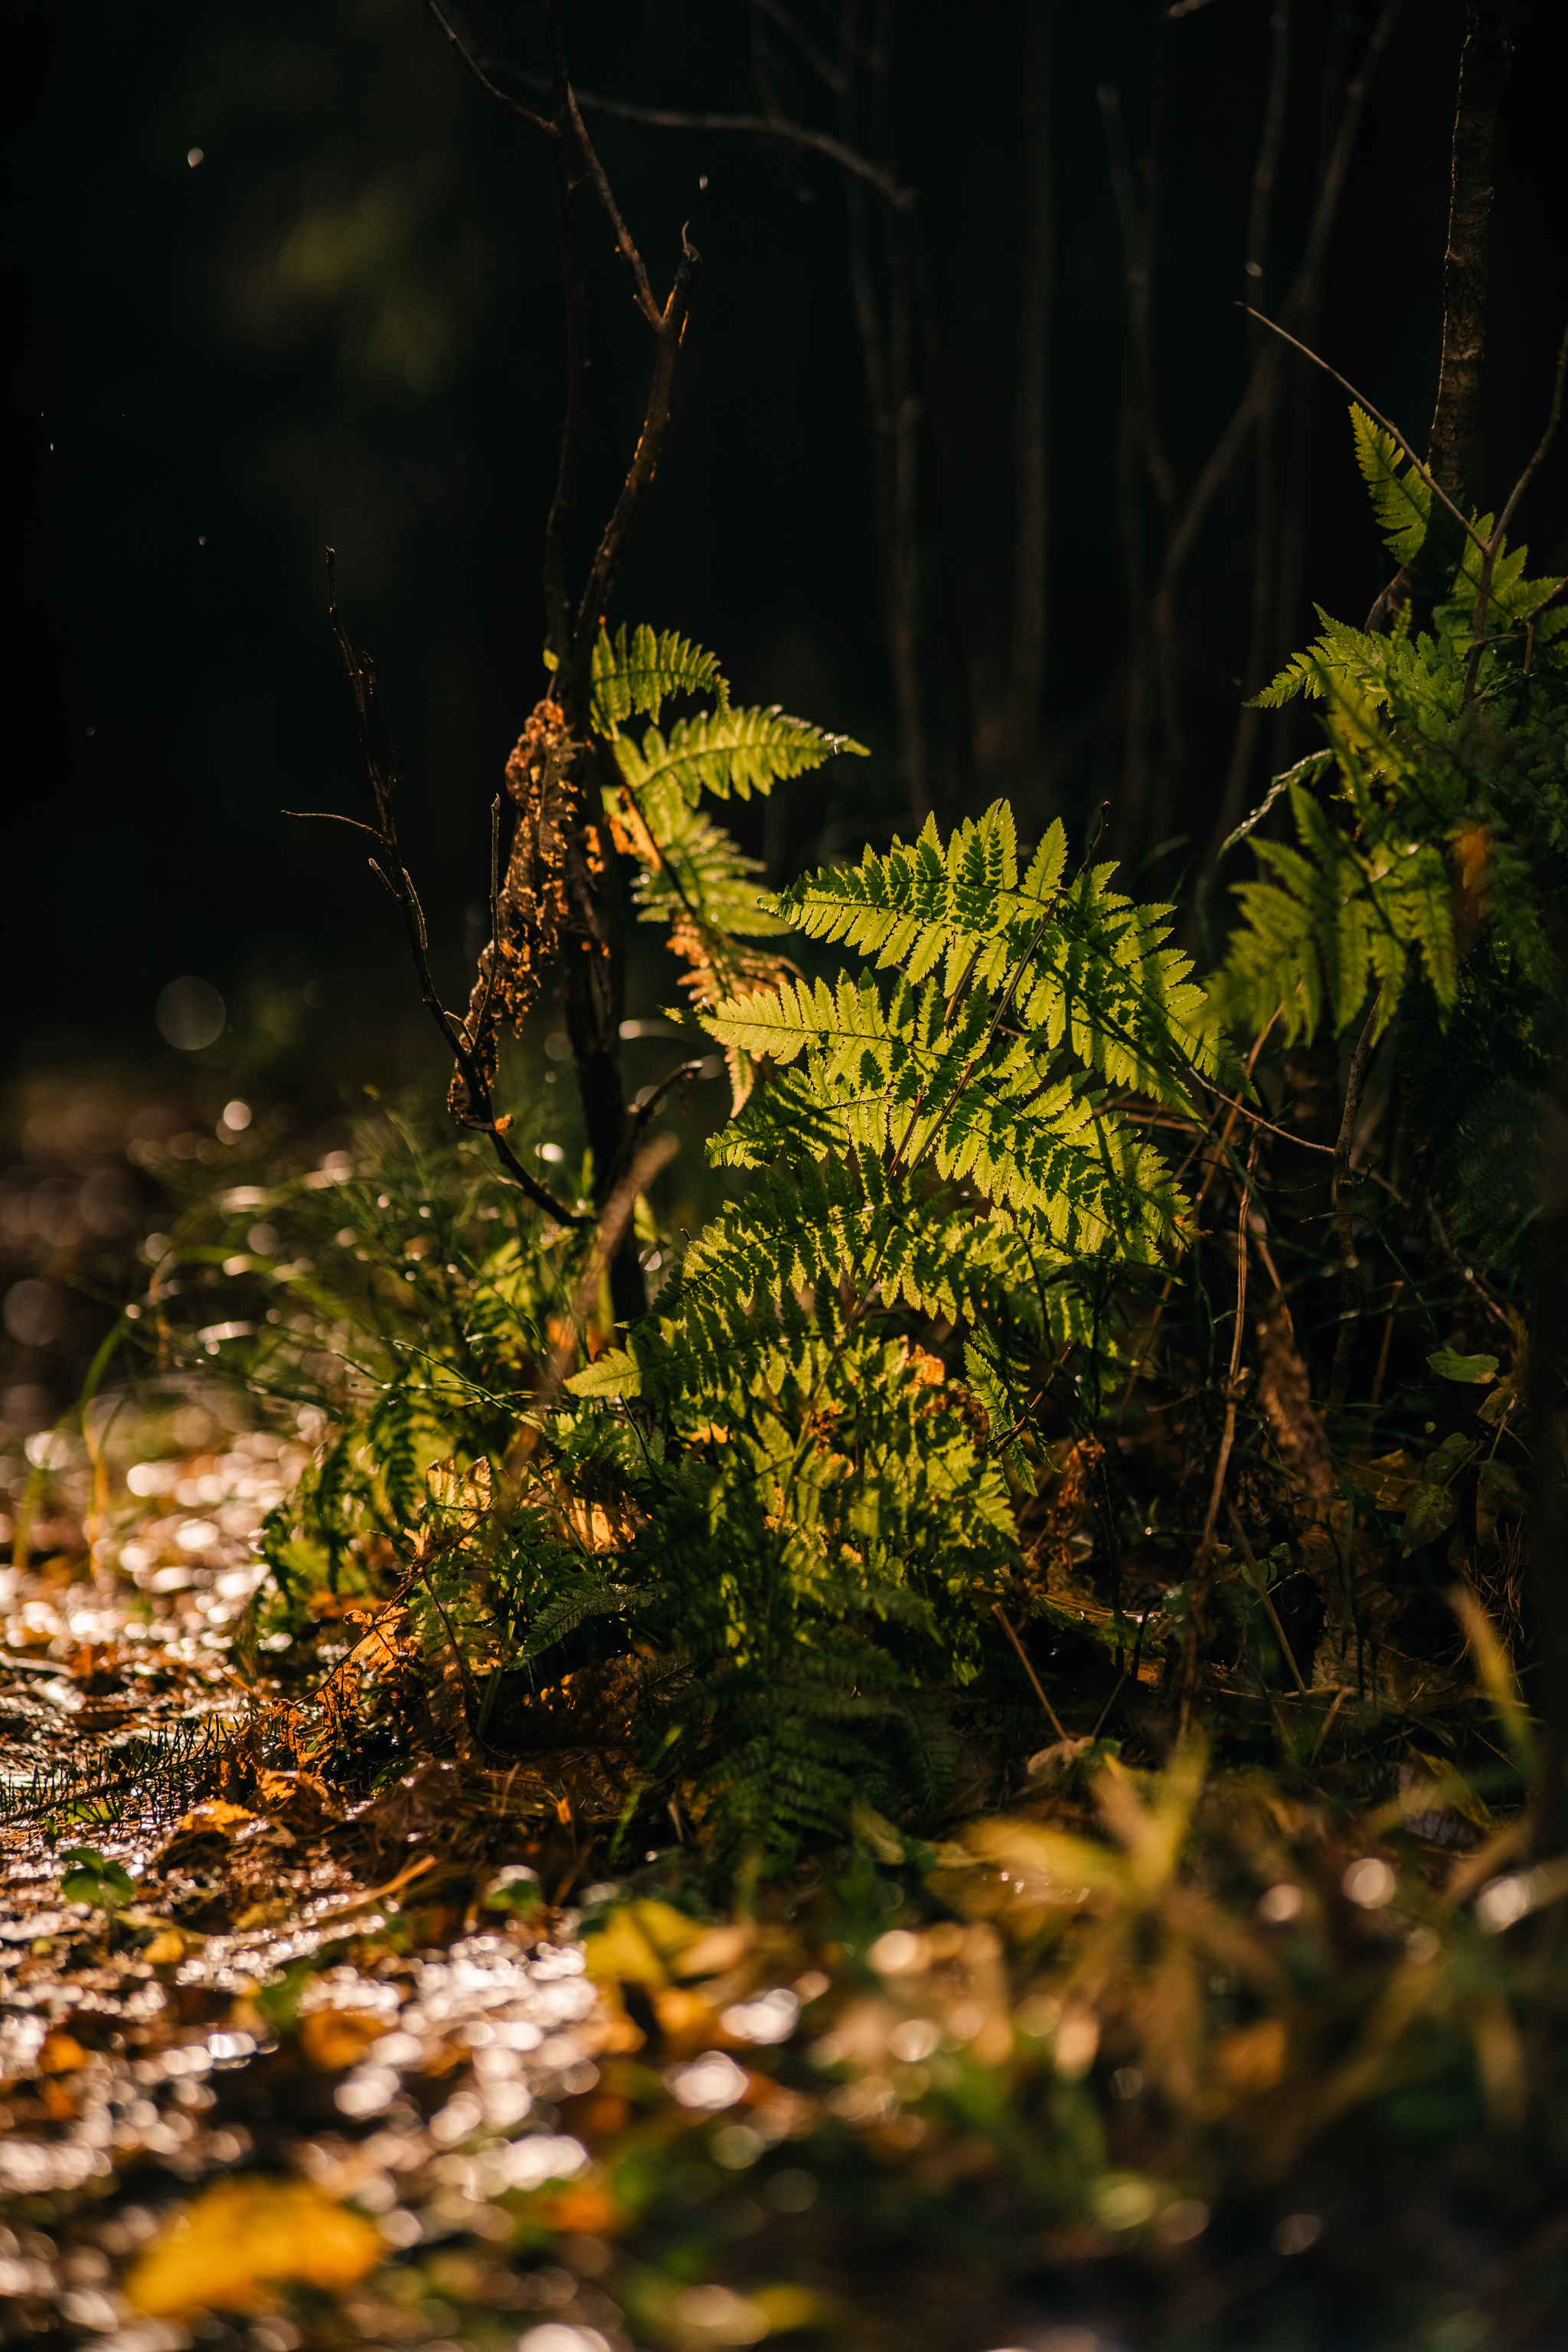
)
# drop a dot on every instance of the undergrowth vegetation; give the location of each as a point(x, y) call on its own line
point(1077, 1488)
point(1057, 1581)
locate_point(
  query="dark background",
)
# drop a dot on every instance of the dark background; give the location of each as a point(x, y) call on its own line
point(344, 325)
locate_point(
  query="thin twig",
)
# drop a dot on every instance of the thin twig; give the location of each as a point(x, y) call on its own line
point(1040, 1689)
point(1377, 416)
point(821, 64)
point(646, 303)
point(1198, 1573)
point(512, 106)
point(775, 128)
point(1299, 296)
point(613, 1220)
point(645, 458)
point(395, 873)
point(1265, 1597)
point(1299, 1140)
point(1343, 1224)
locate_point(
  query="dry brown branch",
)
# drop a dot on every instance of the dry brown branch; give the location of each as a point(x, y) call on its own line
point(389, 867)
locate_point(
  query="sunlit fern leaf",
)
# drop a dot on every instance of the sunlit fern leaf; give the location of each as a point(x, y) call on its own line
point(639, 672)
point(1337, 922)
point(588, 1597)
point(728, 752)
point(1401, 501)
point(1072, 960)
point(979, 1106)
point(701, 869)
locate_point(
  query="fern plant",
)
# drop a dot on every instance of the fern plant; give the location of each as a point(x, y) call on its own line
point(1445, 823)
point(944, 1153)
point(773, 1514)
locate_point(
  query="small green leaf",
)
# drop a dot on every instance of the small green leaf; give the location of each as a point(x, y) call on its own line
point(90, 1877)
point(515, 1889)
point(1432, 1509)
point(1477, 1370)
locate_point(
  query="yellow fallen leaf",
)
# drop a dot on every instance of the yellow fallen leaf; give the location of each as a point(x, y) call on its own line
point(246, 2237)
point(168, 1946)
point(333, 2038)
point(637, 1941)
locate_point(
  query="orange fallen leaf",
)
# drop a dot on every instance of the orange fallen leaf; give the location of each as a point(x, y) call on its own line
point(61, 2054)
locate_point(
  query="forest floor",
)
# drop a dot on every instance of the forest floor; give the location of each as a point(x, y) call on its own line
point(285, 2070)
point(296, 2057)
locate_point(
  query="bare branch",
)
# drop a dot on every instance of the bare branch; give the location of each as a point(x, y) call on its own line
point(1299, 296)
point(1377, 416)
point(595, 594)
point(513, 105)
point(817, 59)
point(776, 128)
point(626, 249)
point(395, 873)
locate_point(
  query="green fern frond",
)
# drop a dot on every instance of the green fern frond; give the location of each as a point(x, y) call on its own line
point(703, 870)
point(728, 752)
point(1073, 963)
point(1401, 501)
point(642, 673)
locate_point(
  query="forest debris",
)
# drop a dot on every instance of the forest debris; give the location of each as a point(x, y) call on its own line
point(203, 1837)
point(300, 1800)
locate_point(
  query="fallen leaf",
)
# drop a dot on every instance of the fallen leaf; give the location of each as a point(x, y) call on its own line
point(246, 2237)
point(169, 1947)
point(300, 1800)
point(637, 1941)
point(203, 1835)
point(1432, 1509)
point(61, 2054)
point(333, 2039)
